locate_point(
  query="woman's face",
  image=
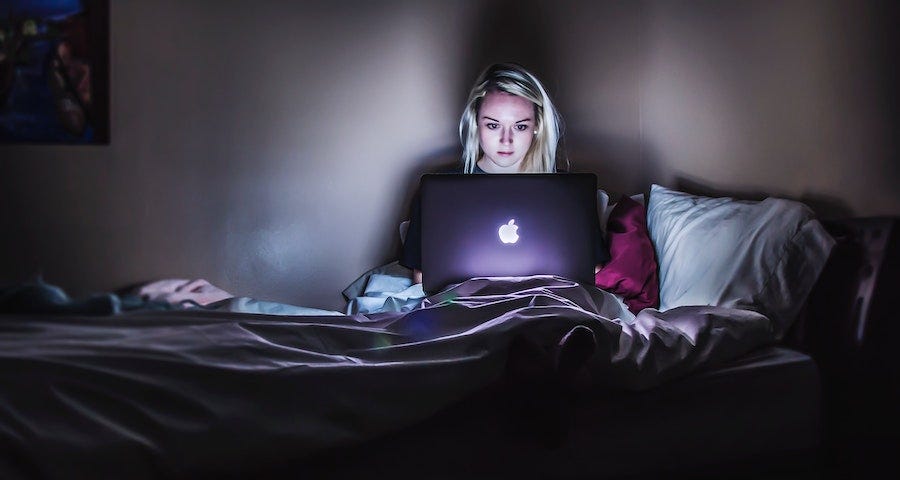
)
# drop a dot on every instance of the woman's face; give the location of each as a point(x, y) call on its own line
point(505, 130)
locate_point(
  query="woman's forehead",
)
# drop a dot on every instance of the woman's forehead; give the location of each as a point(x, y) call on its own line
point(497, 104)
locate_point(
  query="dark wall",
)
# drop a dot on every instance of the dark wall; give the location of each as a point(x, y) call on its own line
point(270, 147)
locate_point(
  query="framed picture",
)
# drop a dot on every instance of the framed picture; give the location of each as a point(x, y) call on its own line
point(54, 71)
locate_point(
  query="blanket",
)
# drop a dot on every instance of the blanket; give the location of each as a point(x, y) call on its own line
point(148, 394)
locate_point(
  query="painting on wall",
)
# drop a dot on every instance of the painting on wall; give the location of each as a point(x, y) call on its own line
point(54, 71)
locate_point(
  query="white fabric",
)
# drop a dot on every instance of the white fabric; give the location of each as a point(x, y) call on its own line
point(603, 208)
point(387, 288)
point(763, 256)
point(404, 227)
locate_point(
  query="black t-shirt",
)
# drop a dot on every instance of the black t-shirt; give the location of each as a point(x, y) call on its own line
point(411, 249)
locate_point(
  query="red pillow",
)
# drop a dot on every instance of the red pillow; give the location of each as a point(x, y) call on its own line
point(632, 270)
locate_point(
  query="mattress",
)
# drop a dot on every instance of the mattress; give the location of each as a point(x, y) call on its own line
point(763, 407)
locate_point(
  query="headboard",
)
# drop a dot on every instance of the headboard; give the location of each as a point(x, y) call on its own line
point(850, 328)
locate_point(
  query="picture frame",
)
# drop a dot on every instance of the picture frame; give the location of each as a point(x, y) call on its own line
point(54, 71)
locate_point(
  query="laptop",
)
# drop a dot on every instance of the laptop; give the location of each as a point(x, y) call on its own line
point(507, 225)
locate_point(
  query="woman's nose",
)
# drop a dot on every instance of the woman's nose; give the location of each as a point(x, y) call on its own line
point(506, 135)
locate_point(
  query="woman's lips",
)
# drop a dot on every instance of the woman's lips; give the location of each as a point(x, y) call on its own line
point(505, 154)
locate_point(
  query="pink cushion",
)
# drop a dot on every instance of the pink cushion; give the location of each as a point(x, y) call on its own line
point(632, 270)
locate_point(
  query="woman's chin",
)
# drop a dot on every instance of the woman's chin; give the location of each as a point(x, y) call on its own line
point(501, 165)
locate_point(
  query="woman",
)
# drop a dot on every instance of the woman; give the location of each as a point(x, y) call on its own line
point(509, 125)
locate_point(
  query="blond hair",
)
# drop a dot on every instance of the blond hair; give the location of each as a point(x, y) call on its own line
point(513, 79)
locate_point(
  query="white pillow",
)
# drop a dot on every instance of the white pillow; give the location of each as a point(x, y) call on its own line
point(763, 256)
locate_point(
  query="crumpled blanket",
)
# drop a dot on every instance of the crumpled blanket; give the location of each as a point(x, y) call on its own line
point(38, 296)
point(177, 393)
point(387, 288)
point(180, 291)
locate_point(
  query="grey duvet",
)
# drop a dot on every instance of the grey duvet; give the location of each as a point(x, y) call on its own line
point(178, 393)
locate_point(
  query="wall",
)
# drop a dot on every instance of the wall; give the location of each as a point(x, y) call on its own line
point(271, 148)
point(794, 98)
point(267, 148)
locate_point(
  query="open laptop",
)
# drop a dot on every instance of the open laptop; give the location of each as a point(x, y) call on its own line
point(501, 225)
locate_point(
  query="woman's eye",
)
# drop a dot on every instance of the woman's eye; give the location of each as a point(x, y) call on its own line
point(521, 128)
point(492, 126)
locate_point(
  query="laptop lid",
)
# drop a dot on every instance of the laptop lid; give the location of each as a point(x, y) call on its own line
point(499, 225)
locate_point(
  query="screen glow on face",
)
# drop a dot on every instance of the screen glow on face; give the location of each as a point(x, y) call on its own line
point(505, 131)
point(508, 232)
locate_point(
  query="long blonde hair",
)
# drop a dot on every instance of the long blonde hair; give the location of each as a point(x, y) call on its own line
point(514, 79)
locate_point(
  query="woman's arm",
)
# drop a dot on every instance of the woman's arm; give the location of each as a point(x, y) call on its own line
point(411, 248)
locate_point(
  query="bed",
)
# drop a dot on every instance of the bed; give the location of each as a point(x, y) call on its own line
point(424, 388)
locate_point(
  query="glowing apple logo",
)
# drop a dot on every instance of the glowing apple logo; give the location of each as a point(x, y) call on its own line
point(508, 233)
